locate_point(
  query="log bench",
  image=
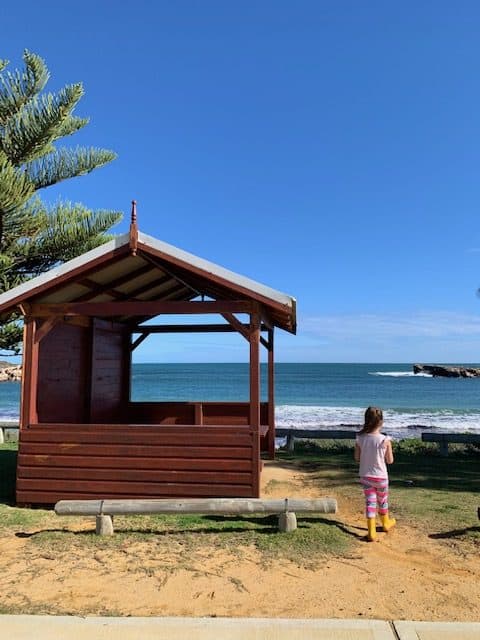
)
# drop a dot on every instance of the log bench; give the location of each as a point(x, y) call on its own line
point(312, 434)
point(104, 510)
point(444, 439)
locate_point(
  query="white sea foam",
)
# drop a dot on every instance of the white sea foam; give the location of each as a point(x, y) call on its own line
point(399, 424)
point(400, 374)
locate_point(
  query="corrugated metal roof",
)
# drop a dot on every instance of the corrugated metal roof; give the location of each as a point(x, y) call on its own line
point(158, 271)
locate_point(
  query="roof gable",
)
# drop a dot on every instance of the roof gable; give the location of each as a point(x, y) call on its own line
point(152, 270)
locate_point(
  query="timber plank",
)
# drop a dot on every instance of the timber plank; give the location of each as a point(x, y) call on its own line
point(134, 451)
point(51, 497)
point(111, 462)
point(135, 475)
point(132, 488)
point(138, 428)
point(196, 438)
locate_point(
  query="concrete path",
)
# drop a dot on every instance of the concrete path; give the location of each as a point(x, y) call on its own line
point(438, 630)
point(96, 628)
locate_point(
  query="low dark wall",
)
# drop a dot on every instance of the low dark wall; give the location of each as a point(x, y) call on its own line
point(66, 461)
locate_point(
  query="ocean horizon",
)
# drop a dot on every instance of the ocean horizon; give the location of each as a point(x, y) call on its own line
point(312, 395)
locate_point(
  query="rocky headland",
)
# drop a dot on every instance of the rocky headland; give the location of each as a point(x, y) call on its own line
point(446, 372)
point(10, 372)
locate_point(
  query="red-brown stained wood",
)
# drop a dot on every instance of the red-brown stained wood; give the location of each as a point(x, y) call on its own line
point(43, 496)
point(133, 488)
point(108, 361)
point(135, 475)
point(113, 462)
point(195, 438)
point(149, 461)
point(136, 450)
point(63, 374)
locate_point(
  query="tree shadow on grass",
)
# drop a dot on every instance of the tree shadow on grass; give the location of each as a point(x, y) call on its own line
point(268, 526)
point(454, 533)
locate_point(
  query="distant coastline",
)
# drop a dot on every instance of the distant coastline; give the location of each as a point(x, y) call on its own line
point(10, 372)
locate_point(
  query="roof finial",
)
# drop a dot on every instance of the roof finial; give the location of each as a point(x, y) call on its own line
point(134, 212)
point(134, 229)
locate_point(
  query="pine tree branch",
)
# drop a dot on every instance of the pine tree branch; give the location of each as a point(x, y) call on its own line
point(19, 87)
point(28, 133)
point(15, 188)
point(70, 126)
point(66, 163)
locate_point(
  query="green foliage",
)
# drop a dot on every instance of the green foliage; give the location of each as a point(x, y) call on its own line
point(33, 236)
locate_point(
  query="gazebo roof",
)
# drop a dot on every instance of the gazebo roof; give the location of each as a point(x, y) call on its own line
point(137, 267)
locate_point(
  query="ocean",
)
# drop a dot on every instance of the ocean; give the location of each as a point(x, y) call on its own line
point(313, 395)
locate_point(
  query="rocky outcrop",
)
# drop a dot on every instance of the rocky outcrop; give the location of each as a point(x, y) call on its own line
point(446, 372)
point(11, 373)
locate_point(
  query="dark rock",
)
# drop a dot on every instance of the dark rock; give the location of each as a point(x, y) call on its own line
point(446, 372)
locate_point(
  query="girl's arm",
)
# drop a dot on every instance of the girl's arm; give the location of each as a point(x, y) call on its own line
point(357, 453)
point(388, 452)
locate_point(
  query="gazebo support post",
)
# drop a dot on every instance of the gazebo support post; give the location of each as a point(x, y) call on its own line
point(271, 396)
point(28, 413)
point(255, 397)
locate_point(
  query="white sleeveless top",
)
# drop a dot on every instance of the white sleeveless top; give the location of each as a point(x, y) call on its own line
point(372, 456)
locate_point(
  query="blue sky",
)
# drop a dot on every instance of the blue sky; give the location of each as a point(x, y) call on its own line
point(330, 150)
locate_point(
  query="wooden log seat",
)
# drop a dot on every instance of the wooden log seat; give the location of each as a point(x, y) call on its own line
point(285, 508)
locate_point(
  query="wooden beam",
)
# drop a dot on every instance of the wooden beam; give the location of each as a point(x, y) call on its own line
point(154, 284)
point(255, 399)
point(139, 308)
point(138, 341)
point(186, 328)
point(98, 290)
point(271, 395)
point(244, 330)
point(46, 327)
point(28, 411)
point(146, 268)
point(165, 269)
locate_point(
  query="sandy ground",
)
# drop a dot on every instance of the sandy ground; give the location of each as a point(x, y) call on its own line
point(406, 575)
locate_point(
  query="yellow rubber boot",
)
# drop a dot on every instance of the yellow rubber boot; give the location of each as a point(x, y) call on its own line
point(387, 522)
point(372, 529)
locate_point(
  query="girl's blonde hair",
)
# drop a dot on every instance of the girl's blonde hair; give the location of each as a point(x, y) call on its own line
point(373, 417)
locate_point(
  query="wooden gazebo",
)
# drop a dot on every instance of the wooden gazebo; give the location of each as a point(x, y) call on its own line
point(81, 435)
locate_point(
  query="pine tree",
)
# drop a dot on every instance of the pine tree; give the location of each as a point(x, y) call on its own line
point(35, 236)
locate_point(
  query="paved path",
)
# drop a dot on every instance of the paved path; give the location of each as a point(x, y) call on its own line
point(96, 628)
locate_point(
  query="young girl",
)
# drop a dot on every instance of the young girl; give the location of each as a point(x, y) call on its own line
point(373, 451)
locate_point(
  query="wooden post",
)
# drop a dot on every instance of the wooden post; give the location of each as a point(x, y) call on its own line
point(28, 410)
point(271, 397)
point(255, 399)
point(198, 408)
point(290, 443)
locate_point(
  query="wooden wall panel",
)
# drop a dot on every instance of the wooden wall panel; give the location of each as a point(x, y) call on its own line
point(107, 394)
point(63, 374)
point(125, 461)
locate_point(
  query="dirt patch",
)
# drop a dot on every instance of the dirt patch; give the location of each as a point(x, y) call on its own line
point(405, 575)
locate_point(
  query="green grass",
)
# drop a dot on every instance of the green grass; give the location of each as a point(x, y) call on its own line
point(439, 494)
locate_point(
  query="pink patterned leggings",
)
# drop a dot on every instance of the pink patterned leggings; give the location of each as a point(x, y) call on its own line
point(375, 491)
